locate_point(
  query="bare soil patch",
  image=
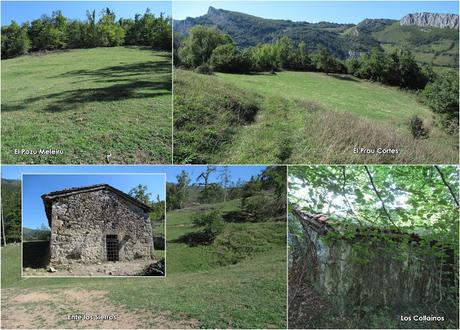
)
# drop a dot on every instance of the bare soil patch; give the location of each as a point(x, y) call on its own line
point(119, 268)
point(79, 308)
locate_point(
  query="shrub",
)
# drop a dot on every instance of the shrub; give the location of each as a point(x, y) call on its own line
point(211, 222)
point(261, 207)
point(417, 129)
point(227, 58)
point(441, 96)
point(204, 68)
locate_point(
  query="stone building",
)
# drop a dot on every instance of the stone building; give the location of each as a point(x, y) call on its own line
point(372, 267)
point(96, 224)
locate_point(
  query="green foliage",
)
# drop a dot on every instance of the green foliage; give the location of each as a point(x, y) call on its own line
point(227, 58)
point(11, 210)
point(416, 198)
point(58, 32)
point(197, 48)
point(210, 222)
point(264, 196)
point(417, 129)
point(141, 194)
point(204, 68)
point(396, 68)
point(15, 41)
point(442, 96)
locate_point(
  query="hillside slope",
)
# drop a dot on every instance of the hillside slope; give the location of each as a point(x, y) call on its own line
point(435, 42)
point(298, 120)
point(199, 291)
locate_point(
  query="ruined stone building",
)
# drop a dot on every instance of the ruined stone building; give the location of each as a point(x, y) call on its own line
point(96, 224)
point(371, 267)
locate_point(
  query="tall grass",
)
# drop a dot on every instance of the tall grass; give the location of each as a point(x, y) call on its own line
point(298, 126)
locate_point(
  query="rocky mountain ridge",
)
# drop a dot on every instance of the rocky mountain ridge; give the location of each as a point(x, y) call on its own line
point(441, 21)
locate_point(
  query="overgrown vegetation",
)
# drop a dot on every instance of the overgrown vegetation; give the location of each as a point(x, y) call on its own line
point(58, 32)
point(375, 218)
point(11, 211)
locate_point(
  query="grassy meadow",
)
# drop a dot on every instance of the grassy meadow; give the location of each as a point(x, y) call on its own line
point(238, 281)
point(299, 117)
point(100, 105)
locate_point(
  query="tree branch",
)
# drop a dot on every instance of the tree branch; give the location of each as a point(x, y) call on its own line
point(446, 184)
point(380, 197)
point(346, 198)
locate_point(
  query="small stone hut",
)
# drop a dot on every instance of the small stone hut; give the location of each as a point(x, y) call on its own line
point(97, 224)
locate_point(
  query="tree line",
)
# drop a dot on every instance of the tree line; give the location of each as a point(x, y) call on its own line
point(57, 32)
point(205, 49)
point(263, 195)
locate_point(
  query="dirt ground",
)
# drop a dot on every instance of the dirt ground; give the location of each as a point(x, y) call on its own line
point(305, 305)
point(78, 308)
point(119, 268)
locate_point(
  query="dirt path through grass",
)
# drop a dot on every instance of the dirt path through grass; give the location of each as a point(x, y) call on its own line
point(30, 309)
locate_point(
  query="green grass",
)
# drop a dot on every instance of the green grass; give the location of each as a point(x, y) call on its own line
point(301, 117)
point(250, 293)
point(101, 105)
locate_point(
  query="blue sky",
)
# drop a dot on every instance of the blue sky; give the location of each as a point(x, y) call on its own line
point(316, 11)
point(34, 186)
point(22, 11)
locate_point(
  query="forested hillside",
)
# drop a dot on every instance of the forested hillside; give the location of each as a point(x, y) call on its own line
point(433, 44)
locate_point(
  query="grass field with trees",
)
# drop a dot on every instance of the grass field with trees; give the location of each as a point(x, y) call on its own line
point(87, 92)
point(225, 265)
point(327, 106)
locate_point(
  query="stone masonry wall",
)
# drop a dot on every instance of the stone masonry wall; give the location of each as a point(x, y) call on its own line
point(81, 222)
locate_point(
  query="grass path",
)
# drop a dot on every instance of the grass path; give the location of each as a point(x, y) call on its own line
point(101, 105)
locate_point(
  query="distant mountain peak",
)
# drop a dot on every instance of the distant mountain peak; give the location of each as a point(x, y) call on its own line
point(425, 19)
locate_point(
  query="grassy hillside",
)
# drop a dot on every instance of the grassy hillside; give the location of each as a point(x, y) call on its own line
point(299, 117)
point(198, 291)
point(435, 46)
point(101, 105)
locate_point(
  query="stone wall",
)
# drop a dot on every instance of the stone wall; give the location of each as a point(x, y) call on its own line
point(80, 223)
point(374, 271)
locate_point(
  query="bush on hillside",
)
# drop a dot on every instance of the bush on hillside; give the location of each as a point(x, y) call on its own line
point(417, 129)
point(210, 222)
point(441, 96)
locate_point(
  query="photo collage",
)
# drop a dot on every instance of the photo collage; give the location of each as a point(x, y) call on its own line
point(258, 164)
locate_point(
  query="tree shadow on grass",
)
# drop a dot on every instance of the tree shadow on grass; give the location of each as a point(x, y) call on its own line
point(344, 77)
point(123, 70)
point(194, 239)
point(71, 99)
point(125, 84)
